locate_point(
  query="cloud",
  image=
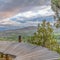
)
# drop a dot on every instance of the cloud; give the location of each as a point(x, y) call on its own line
point(16, 6)
point(7, 14)
point(8, 22)
point(6, 1)
point(33, 17)
point(46, 11)
point(22, 13)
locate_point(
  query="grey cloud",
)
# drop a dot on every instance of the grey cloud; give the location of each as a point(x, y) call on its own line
point(21, 4)
point(9, 8)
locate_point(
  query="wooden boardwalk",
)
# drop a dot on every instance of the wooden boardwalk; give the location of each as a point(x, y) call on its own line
point(24, 51)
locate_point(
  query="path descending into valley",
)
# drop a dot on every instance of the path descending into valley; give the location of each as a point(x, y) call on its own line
point(25, 51)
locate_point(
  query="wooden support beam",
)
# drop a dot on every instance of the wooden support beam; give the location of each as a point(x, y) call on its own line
point(1, 55)
point(7, 57)
point(13, 56)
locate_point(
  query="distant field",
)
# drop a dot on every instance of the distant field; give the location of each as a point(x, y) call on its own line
point(14, 37)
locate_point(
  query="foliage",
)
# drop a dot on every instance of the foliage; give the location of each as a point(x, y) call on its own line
point(43, 34)
point(55, 4)
point(45, 37)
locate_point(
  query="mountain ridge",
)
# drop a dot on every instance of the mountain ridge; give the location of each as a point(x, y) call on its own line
point(21, 31)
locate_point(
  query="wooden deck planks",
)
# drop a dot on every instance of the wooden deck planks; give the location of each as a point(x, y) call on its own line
point(24, 51)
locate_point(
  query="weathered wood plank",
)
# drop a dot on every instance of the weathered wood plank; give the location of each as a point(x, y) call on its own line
point(23, 51)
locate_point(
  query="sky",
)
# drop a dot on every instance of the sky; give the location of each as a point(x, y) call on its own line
point(20, 13)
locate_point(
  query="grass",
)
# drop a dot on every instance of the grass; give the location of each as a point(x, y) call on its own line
point(25, 36)
point(14, 36)
point(57, 37)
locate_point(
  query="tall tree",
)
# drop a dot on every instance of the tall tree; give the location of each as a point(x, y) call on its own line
point(55, 4)
point(43, 34)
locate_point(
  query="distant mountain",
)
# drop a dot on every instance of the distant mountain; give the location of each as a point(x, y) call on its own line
point(23, 31)
point(26, 21)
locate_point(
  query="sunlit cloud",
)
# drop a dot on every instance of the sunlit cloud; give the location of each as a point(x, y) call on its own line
point(8, 7)
point(26, 18)
point(46, 11)
point(8, 14)
point(9, 22)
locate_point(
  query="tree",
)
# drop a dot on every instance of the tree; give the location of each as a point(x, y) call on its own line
point(55, 4)
point(44, 34)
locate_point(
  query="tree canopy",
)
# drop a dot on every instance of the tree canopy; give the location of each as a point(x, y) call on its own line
point(44, 36)
point(55, 4)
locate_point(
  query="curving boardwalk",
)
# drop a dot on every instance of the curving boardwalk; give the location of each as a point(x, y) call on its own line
point(24, 51)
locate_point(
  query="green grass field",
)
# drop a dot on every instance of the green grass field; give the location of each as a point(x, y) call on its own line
point(57, 37)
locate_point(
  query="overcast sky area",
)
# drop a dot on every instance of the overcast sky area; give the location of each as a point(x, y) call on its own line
point(19, 12)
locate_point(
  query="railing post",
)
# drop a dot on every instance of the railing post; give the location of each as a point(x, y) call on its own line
point(19, 39)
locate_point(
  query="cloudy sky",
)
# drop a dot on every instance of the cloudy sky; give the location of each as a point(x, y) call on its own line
point(18, 13)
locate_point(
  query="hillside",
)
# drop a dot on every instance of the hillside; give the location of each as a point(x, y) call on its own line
point(24, 32)
point(18, 31)
point(13, 34)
